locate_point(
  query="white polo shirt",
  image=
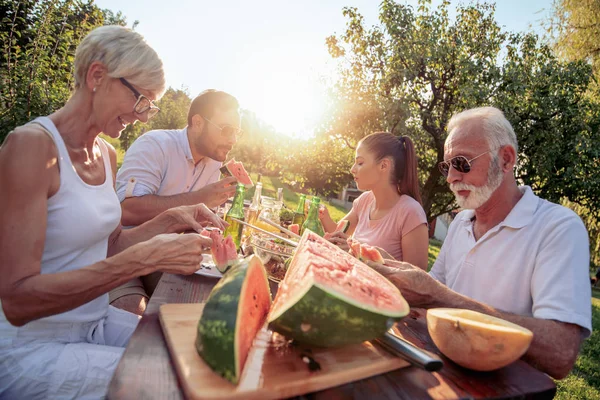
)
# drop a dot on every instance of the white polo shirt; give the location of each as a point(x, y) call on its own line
point(534, 263)
point(160, 162)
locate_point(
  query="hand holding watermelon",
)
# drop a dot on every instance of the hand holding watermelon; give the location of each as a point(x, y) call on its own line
point(339, 238)
point(195, 217)
point(417, 286)
point(217, 193)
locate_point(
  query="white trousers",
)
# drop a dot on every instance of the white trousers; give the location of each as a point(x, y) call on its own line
point(46, 360)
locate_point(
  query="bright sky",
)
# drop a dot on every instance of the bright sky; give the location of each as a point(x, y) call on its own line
point(270, 54)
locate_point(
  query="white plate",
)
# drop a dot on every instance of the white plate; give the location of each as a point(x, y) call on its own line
point(208, 267)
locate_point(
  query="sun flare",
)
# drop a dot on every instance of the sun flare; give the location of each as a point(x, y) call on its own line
point(283, 93)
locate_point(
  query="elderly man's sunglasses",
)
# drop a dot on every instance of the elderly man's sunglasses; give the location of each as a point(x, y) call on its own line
point(227, 130)
point(460, 163)
point(143, 104)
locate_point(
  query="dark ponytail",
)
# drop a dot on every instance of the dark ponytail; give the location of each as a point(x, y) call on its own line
point(402, 151)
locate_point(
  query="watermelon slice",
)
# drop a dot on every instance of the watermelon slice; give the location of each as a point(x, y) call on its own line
point(294, 228)
point(342, 226)
point(237, 170)
point(223, 250)
point(354, 248)
point(329, 298)
point(364, 252)
point(235, 311)
point(370, 253)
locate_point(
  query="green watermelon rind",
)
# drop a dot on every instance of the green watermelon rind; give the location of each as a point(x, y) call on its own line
point(340, 319)
point(345, 227)
point(215, 340)
point(318, 307)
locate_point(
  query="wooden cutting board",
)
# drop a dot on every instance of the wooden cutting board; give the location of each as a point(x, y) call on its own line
point(274, 368)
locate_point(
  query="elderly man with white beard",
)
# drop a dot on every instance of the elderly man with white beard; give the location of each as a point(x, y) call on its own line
point(509, 254)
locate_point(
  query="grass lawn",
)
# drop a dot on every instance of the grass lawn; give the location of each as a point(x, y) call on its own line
point(584, 381)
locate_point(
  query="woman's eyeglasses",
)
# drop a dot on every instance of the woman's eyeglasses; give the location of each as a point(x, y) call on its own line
point(143, 104)
point(459, 163)
point(227, 130)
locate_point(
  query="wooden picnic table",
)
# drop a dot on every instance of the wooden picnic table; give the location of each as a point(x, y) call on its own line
point(146, 370)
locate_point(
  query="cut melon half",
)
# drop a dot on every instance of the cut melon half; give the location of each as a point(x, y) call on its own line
point(475, 340)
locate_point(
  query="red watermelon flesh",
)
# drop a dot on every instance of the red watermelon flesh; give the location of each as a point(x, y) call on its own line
point(295, 228)
point(360, 302)
point(328, 264)
point(223, 250)
point(234, 313)
point(237, 170)
point(354, 248)
point(370, 253)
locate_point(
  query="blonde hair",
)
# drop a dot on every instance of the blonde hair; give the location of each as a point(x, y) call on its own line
point(125, 54)
point(496, 128)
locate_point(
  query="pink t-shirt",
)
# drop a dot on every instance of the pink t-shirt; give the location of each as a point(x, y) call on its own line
point(388, 231)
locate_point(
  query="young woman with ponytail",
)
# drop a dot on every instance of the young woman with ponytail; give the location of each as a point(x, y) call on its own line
point(388, 214)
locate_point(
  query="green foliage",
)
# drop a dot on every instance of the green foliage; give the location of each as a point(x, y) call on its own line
point(38, 40)
point(433, 252)
point(591, 219)
point(413, 72)
point(174, 106)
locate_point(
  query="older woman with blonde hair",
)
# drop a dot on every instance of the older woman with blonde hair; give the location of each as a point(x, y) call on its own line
point(59, 338)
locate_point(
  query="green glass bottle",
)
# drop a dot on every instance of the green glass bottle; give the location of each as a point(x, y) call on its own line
point(299, 213)
point(236, 211)
point(312, 221)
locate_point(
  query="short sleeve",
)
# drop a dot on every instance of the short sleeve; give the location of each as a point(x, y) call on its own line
point(361, 202)
point(560, 284)
point(412, 216)
point(142, 170)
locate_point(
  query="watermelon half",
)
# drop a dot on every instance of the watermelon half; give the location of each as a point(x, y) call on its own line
point(237, 170)
point(223, 250)
point(329, 298)
point(235, 311)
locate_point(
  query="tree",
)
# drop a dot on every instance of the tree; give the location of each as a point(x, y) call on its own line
point(576, 27)
point(39, 39)
point(174, 106)
point(413, 72)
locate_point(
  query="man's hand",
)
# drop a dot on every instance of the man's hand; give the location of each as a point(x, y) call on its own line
point(340, 239)
point(217, 193)
point(196, 217)
point(417, 286)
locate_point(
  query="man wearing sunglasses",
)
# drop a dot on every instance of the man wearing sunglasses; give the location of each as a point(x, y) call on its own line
point(169, 168)
point(509, 253)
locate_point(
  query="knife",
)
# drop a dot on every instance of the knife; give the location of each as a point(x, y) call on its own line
point(276, 236)
point(410, 352)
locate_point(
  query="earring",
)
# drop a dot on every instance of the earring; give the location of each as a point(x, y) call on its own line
point(94, 89)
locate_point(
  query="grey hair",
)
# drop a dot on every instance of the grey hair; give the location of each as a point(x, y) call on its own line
point(125, 54)
point(496, 128)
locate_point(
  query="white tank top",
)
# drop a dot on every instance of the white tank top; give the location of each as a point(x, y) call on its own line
point(80, 219)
